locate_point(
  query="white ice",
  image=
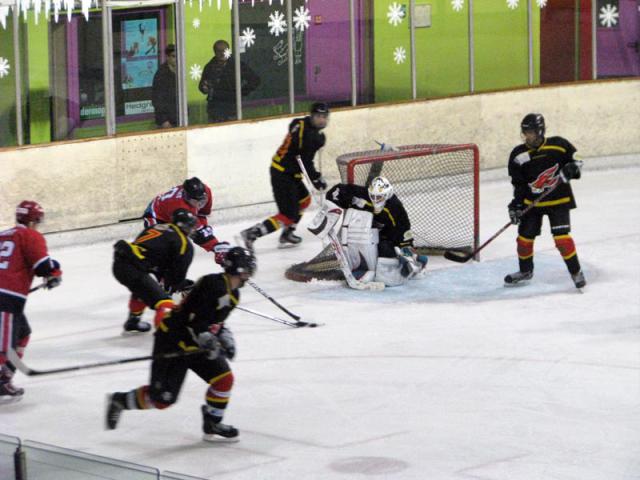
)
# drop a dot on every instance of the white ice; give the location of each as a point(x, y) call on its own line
point(450, 377)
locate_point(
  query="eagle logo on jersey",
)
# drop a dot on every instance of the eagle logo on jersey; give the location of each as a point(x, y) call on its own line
point(547, 179)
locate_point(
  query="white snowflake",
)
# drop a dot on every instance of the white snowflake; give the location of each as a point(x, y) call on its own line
point(227, 53)
point(195, 72)
point(457, 5)
point(301, 19)
point(248, 37)
point(395, 14)
point(399, 55)
point(541, 3)
point(609, 15)
point(277, 24)
point(512, 4)
point(196, 23)
point(4, 67)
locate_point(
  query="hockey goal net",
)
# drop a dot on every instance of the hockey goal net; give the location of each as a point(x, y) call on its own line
point(438, 185)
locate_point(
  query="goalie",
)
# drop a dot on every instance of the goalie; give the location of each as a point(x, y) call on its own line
point(375, 233)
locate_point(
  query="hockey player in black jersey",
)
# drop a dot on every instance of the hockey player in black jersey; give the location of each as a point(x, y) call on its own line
point(376, 231)
point(162, 252)
point(196, 325)
point(303, 139)
point(535, 166)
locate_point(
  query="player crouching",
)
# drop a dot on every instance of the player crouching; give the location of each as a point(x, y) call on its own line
point(375, 233)
point(194, 337)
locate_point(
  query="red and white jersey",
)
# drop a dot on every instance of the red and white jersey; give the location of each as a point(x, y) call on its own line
point(162, 207)
point(22, 250)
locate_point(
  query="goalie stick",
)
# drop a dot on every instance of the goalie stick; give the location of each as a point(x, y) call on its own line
point(297, 324)
point(20, 365)
point(461, 257)
point(352, 281)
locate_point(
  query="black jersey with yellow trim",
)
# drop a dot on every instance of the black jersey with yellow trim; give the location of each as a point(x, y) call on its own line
point(209, 303)
point(392, 222)
point(534, 170)
point(161, 249)
point(303, 140)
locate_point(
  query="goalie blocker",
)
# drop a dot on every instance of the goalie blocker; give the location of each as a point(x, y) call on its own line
point(375, 233)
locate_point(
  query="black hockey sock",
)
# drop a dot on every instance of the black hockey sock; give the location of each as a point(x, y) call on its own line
point(573, 264)
point(270, 225)
point(526, 265)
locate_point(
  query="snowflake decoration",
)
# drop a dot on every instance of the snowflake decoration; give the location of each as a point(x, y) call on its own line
point(277, 24)
point(512, 4)
point(195, 72)
point(301, 19)
point(609, 16)
point(395, 14)
point(4, 67)
point(227, 53)
point(248, 37)
point(196, 23)
point(541, 3)
point(457, 5)
point(399, 55)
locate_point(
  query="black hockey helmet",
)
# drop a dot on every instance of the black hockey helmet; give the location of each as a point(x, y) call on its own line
point(533, 122)
point(194, 188)
point(184, 220)
point(321, 108)
point(239, 260)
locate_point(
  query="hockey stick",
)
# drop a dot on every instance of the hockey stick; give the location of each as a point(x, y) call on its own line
point(460, 257)
point(273, 300)
point(352, 281)
point(20, 365)
point(38, 287)
point(297, 324)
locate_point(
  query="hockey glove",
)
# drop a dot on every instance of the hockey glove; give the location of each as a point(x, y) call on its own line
point(227, 342)
point(413, 253)
point(570, 171)
point(208, 341)
point(515, 211)
point(220, 251)
point(202, 235)
point(320, 183)
point(55, 277)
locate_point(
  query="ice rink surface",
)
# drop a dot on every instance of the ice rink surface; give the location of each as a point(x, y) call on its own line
point(451, 377)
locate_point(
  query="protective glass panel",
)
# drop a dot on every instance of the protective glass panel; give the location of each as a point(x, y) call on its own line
point(442, 48)
point(7, 80)
point(264, 58)
point(8, 446)
point(501, 44)
point(144, 68)
point(47, 462)
point(618, 38)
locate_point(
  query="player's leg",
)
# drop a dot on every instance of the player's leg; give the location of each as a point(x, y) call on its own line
point(219, 377)
point(167, 376)
point(288, 238)
point(14, 333)
point(528, 230)
point(560, 220)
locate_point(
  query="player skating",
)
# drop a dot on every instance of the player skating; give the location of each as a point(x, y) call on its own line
point(535, 167)
point(304, 139)
point(375, 233)
point(196, 324)
point(160, 253)
point(23, 254)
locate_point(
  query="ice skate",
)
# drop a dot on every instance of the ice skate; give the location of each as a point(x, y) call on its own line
point(289, 239)
point(215, 430)
point(250, 235)
point(9, 393)
point(115, 405)
point(134, 324)
point(579, 280)
point(517, 278)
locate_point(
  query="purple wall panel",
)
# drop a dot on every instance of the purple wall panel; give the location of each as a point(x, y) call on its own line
point(618, 53)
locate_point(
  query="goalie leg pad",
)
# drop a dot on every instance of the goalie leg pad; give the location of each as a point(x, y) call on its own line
point(360, 239)
point(389, 271)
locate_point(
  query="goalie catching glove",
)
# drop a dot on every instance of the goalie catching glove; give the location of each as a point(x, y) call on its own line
point(411, 262)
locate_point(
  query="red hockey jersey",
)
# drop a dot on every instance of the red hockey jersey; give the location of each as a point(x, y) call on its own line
point(162, 207)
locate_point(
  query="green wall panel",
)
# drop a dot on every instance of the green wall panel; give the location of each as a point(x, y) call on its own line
point(38, 80)
point(7, 88)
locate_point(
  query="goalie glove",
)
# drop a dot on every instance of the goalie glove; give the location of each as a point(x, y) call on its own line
point(411, 263)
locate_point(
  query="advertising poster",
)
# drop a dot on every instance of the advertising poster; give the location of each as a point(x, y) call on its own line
point(140, 53)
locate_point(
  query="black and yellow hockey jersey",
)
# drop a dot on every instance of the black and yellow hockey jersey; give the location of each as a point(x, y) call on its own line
point(303, 139)
point(534, 170)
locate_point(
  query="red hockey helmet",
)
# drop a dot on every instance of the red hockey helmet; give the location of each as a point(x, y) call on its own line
point(29, 211)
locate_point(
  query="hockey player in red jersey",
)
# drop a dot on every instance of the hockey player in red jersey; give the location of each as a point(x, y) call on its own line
point(23, 254)
point(194, 337)
point(536, 166)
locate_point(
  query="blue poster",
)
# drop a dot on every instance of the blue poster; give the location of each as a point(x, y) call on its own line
point(139, 57)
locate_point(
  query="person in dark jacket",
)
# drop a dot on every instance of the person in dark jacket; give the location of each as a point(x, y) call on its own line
point(218, 83)
point(163, 95)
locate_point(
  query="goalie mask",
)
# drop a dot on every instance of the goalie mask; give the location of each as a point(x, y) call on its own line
point(380, 190)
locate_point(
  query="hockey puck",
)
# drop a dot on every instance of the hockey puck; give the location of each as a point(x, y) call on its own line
point(313, 325)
